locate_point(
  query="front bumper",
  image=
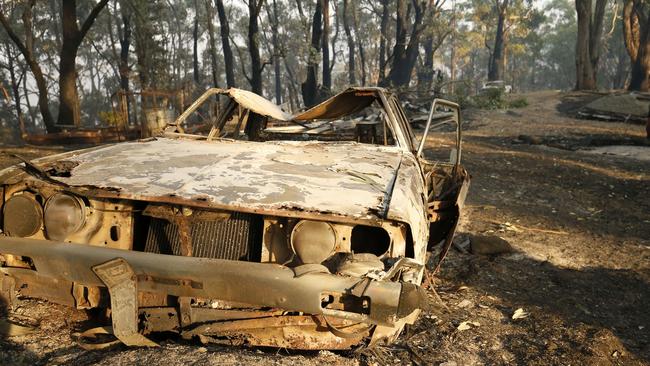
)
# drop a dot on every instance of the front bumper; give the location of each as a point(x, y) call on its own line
point(257, 284)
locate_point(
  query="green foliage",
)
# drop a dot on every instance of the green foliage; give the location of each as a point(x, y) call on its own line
point(462, 95)
point(111, 118)
point(492, 98)
point(518, 103)
point(496, 98)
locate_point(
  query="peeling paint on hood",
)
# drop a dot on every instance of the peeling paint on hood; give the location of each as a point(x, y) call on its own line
point(347, 179)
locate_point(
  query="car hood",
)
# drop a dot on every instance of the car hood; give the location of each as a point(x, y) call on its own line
point(342, 179)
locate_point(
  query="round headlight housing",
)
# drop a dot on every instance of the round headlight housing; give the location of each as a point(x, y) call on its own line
point(313, 241)
point(22, 216)
point(64, 215)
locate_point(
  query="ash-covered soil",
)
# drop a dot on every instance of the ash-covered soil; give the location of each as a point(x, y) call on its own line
point(579, 223)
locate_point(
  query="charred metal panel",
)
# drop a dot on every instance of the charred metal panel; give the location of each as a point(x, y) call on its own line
point(237, 238)
point(288, 176)
point(408, 203)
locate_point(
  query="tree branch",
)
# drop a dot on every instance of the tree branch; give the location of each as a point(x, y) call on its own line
point(14, 37)
point(91, 18)
point(258, 7)
point(241, 59)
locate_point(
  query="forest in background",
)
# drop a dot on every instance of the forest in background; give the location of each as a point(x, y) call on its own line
point(62, 61)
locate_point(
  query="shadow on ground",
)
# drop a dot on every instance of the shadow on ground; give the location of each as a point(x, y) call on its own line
point(592, 298)
point(581, 317)
point(11, 353)
point(563, 190)
point(571, 103)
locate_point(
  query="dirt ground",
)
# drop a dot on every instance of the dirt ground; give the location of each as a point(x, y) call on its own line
point(579, 223)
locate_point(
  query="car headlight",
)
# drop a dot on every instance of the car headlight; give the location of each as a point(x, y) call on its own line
point(64, 216)
point(313, 241)
point(22, 216)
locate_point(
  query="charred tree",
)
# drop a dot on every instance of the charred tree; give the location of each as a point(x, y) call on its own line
point(383, 30)
point(195, 45)
point(497, 56)
point(327, 72)
point(351, 44)
point(125, 43)
point(452, 63)
point(362, 52)
point(69, 111)
point(636, 21)
point(124, 37)
point(433, 39)
point(590, 30)
point(225, 44)
point(254, 8)
point(309, 86)
point(277, 52)
point(255, 122)
point(405, 53)
point(209, 11)
point(335, 38)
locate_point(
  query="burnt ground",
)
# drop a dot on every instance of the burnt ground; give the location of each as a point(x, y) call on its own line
point(580, 226)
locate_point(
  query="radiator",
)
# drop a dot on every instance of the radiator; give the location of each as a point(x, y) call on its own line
point(237, 238)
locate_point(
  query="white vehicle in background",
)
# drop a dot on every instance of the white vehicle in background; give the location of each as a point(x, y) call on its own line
point(496, 84)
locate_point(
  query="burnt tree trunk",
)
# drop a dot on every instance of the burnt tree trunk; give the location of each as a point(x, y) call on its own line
point(640, 75)
point(125, 43)
point(276, 54)
point(351, 44)
point(124, 69)
point(590, 28)
point(142, 37)
point(209, 10)
point(254, 8)
point(362, 52)
point(405, 55)
point(430, 46)
point(584, 73)
point(596, 35)
point(69, 112)
point(310, 87)
point(255, 121)
point(497, 58)
point(400, 42)
point(225, 44)
point(383, 31)
point(327, 72)
point(636, 21)
point(452, 57)
point(334, 40)
point(195, 45)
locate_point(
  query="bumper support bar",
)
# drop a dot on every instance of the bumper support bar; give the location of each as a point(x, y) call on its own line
point(120, 279)
point(257, 284)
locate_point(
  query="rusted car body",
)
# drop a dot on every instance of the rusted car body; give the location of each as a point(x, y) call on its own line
point(306, 231)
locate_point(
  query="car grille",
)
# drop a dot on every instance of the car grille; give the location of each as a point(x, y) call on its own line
point(237, 238)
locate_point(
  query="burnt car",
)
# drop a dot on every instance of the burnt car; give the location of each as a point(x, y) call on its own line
point(305, 231)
